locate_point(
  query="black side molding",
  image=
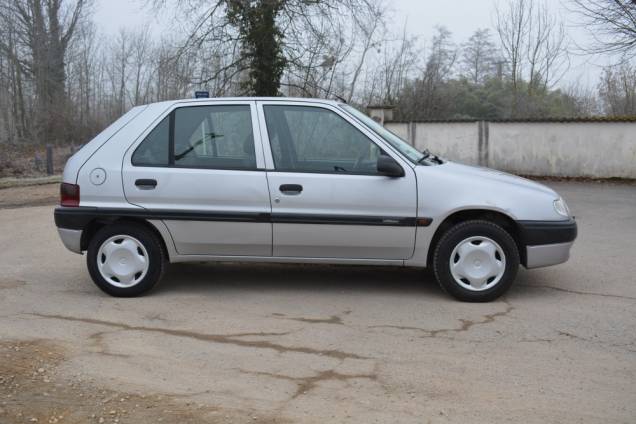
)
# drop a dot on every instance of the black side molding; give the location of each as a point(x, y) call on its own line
point(283, 218)
point(77, 218)
point(534, 233)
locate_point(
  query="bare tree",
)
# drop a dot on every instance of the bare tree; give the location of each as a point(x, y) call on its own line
point(272, 38)
point(611, 23)
point(479, 56)
point(44, 30)
point(141, 55)
point(547, 52)
point(617, 90)
point(583, 100)
point(512, 25)
point(422, 97)
point(397, 63)
point(370, 22)
point(535, 45)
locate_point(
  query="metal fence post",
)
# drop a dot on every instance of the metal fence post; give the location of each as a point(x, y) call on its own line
point(49, 159)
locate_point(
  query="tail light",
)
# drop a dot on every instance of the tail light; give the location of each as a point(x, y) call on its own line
point(69, 195)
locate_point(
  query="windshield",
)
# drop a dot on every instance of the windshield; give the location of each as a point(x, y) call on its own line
point(402, 146)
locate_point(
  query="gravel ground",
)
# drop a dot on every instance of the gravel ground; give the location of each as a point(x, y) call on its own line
point(257, 343)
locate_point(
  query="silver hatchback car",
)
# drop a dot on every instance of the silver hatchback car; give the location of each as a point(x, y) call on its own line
point(296, 180)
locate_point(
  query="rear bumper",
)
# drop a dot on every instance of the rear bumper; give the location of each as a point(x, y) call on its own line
point(547, 242)
point(70, 223)
point(72, 239)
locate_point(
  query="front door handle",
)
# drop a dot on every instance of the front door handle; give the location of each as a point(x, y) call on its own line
point(291, 188)
point(146, 184)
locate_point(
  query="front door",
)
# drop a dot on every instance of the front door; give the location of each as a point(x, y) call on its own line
point(201, 172)
point(328, 201)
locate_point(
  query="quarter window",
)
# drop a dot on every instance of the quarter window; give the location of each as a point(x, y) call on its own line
point(154, 150)
point(314, 139)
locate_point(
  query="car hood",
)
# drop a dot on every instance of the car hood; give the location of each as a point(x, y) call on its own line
point(495, 176)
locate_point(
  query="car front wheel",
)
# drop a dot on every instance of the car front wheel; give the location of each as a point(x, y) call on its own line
point(125, 260)
point(476, 261)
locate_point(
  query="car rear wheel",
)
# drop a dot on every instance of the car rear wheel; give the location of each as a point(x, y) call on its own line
point(476, 261)
point(125, 260)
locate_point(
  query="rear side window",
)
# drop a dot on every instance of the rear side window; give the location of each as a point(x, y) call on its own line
point(213, 137)
point(154, 150)
point(219, 137)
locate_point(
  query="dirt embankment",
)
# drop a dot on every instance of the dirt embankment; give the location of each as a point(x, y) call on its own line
point(34, 195)
point(34, 390)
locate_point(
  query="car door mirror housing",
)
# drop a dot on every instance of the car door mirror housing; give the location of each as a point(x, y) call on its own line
point(389, 167)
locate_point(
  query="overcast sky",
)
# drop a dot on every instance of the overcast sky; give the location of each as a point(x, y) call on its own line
point(461, 17)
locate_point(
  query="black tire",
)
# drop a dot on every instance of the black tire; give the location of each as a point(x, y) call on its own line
point(460, 232)
point(156, 257)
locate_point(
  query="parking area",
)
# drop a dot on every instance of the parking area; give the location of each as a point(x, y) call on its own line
point(290, 343)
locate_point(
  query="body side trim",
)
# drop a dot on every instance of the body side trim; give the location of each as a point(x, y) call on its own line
point(287, 259)
point(78, 218)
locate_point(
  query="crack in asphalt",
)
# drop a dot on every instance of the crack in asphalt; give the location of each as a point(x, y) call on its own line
point(307, 384)
point(466, 325)
point(616, 296)
point(11, 284)
point(333, 319)
point(573, 336)
point(233, 339)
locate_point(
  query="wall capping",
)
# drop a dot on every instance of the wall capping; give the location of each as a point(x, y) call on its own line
point(582, 119)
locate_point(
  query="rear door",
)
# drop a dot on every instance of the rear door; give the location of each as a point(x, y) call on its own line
point(200, 169)
point(328, 200)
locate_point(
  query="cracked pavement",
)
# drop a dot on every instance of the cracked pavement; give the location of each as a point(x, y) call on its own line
point(308, 343)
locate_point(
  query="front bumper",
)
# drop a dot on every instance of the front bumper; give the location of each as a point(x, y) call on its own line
point(547, 242)
point(547, 254)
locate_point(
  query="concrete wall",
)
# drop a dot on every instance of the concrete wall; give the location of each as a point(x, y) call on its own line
point(455, 141)
point(572, 149)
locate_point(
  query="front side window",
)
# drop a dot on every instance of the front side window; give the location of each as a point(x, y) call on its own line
point(402, 146)
point(314, 139)
point(154, 150)
point(214, 137)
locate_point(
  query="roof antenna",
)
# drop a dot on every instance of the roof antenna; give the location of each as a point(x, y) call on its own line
point(340, 98)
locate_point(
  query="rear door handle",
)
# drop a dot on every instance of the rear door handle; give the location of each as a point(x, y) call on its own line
point(291, 188)
point(146, 184)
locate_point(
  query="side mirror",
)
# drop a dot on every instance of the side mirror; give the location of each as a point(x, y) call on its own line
point(389, 167)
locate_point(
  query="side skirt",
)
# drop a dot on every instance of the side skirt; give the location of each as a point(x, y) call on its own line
point(279, 259)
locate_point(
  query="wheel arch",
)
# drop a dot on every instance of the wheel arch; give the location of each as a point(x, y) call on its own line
point(96, 224)
point(497, 217)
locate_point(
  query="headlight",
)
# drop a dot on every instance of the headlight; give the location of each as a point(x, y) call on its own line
point(561, 207)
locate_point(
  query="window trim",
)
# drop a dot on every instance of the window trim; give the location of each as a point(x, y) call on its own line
point(171, 139)
point(374, 138)
point(263, 105)
point(170, 113)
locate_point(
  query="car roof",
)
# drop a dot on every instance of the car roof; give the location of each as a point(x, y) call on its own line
point(268, 99)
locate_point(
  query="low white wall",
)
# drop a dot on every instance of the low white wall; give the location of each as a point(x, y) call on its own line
point(454, 140)
point(569, 149)
point(586, 149)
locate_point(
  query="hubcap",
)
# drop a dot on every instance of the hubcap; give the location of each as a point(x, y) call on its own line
point(123, 261)
point(477, 263)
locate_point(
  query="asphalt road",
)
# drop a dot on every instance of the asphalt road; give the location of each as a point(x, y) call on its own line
point(284, 343)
